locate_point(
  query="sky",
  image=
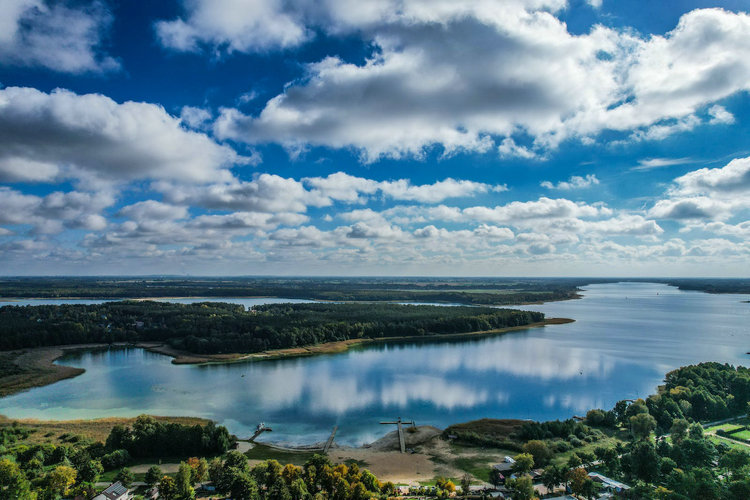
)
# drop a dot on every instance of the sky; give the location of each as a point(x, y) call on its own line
point(377, 137)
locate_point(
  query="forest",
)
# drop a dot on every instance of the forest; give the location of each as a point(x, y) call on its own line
point(472, 291)
point(212, 328)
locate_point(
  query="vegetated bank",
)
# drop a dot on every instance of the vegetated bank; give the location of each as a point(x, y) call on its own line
point(683, 462)
point(223, 332)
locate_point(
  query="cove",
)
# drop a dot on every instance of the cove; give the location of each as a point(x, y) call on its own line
point(625, 338)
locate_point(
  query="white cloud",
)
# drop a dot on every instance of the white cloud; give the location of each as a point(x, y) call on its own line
point(55, 212)
point(344, 187)
point(61, 36)
point(575, 182)
point(233, 25)
point(731, 179)
point(543, 208)
point(719, 114)
point(707, 193)
point(696, 207)
point(652, 163)
point(418, 89)
point(63, 135)
point(153, 210)
point(509, 149)
point(196, 118)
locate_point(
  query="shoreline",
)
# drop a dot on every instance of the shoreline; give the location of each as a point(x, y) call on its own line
point(35, 367)
point(188, 358)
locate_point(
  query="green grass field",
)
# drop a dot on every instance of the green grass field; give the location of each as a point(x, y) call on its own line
point(740, 435)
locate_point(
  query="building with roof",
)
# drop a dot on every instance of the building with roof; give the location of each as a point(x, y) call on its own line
point(609, 485)
point(116, 491)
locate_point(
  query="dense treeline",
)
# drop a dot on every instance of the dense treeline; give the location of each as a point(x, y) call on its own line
point(208, 328)
point(151, 438)
point(479, 291)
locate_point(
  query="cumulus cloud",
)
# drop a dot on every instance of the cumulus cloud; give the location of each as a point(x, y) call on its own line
point(707, 193)
point(725, 181)
point(61, 36)
point(273, 193)
point(418, 89)
point(63, 135)
point(575, 182)
point(344, 187)
point(233, 25)
point(55, 212)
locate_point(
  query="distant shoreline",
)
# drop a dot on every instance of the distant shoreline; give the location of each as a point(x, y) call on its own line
point(35, 367)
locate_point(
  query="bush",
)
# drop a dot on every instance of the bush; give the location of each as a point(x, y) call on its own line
point(116, 459)
point(562, 446)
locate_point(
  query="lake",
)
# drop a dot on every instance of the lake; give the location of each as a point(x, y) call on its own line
point(626, 336)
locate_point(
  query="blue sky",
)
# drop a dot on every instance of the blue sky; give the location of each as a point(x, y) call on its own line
point(382, 137)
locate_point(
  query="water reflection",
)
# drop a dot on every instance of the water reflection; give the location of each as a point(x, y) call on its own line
point(617, 348)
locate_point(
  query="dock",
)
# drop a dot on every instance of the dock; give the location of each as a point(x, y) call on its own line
point(330, 439)
point(258, 431)
point(401, 438)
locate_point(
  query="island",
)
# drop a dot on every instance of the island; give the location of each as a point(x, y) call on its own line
point(31, 337)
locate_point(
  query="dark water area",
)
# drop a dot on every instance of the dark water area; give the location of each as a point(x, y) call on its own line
point(625, 338)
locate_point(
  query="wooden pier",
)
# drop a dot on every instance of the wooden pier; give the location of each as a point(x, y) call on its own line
point(400, 424)
point(330, 439)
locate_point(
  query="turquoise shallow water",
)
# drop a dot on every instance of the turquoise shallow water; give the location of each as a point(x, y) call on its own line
point(626, 336)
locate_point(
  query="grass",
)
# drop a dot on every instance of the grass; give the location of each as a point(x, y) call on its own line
point(110, 475)
point(731, 444)
point(64, 431)
point(724, 427)
point(611, 439)
point(740, 435)
point(264, 452)
point(476, 466)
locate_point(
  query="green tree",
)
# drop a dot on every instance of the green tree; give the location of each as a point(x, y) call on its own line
point(167, 488)
point(679, 429)
point(61, 478)
point(574, 461)
point(244, 487)
point(521, 488)
point(524, 463)
point(13, 484)
point(539, 450)
point(183, 481)
point(90, 471)
point(734, 460)
point(553, 476)
point(370, 481)
point(154, 475)
point(125, 477)
point(641, 425)
point(578, 478)
point(644, 462)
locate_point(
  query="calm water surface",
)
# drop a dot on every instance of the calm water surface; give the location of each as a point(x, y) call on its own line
point(626, 336)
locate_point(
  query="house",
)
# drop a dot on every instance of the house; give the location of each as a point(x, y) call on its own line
point(114, 491)
point(609, 485)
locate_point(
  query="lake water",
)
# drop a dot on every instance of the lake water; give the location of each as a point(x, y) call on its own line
point(625, 338)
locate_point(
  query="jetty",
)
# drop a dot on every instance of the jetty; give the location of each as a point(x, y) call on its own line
point(400, 424)
point(330, 439)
